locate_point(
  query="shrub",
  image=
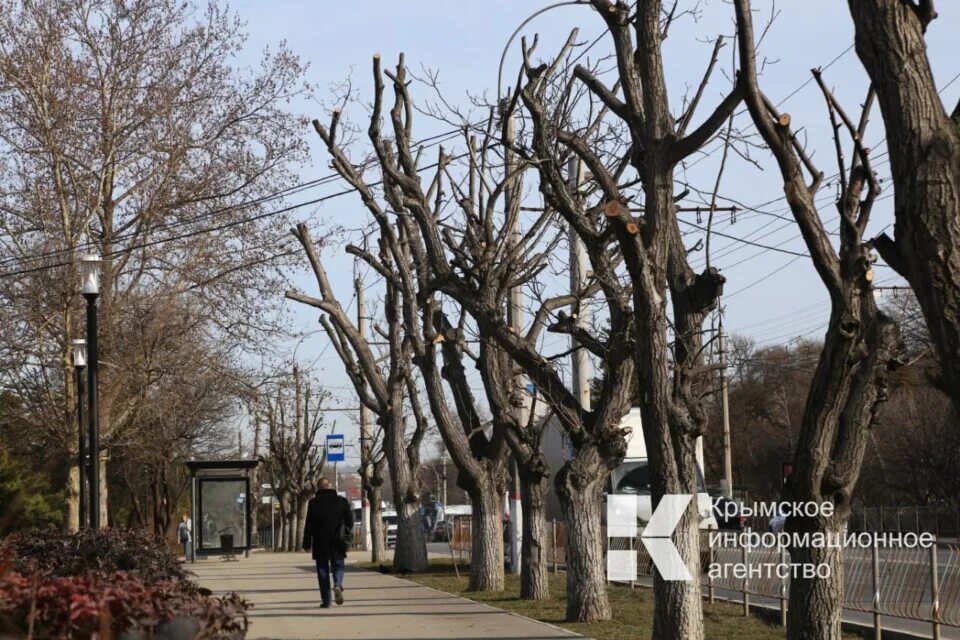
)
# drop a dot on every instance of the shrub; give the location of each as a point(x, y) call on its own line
point(65, 554)
point(106, 584)
point(111, 604)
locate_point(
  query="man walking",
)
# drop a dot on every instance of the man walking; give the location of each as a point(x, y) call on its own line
point(328, 527)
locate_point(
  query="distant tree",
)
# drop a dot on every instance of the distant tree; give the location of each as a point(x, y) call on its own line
point(124, 125)
point(27, 498)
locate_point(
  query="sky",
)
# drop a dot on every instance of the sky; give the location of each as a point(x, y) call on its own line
point(772, 295)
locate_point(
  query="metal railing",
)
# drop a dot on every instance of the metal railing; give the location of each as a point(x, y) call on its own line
point(941, 521)
point(920, 584)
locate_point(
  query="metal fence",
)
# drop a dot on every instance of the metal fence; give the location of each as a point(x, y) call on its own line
point(921, 584)
point(943, 522)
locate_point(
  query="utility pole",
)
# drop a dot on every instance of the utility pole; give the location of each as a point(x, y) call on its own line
point(579, 268)
point(365, 452)
point(727, 461)
point(515, 319)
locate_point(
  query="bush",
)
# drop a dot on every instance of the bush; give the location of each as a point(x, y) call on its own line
point(106, 584)
point(115, 605)
point(64, 554)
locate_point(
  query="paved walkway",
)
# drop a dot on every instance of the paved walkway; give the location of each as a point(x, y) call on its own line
point(283, 590)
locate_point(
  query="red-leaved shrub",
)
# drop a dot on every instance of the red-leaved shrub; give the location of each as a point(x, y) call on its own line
point(73, 586)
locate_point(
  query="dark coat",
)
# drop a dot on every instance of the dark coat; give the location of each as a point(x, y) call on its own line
point(326, 512)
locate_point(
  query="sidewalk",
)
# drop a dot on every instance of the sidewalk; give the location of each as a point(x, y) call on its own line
point(283, 590)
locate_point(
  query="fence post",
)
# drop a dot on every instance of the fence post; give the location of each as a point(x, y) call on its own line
point(633, 581)
point(934, 592)
point(710, 573)
point(783, 588)
point(746, 580)
point(877, 630)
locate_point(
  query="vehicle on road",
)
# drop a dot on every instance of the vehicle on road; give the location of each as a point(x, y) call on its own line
point(631, 477)
point(390, 521)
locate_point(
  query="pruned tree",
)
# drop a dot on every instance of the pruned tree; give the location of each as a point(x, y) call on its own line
point(923, 140)
point(474, 254)
point(384, 390)
point(649, 246)
point(438, 341)
point(862, 344)
point(295, 461)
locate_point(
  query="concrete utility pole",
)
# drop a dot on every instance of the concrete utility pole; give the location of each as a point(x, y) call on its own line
point(579, 268)
point(365, 452)
point(727, 460)
point(515, 318)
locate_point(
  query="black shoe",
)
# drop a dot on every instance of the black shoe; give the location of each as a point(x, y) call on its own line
point(338, 594)
point(325, 605)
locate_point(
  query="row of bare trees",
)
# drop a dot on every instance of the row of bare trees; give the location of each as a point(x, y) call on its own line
point(451, 252)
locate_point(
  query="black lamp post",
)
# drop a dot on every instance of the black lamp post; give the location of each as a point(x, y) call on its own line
point(90, 270)
point(79, 364)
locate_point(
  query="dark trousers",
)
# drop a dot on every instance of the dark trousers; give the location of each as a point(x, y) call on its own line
point(326, 566)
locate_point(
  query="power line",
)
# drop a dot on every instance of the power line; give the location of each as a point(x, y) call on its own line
point(233, 223)
point(276, 195)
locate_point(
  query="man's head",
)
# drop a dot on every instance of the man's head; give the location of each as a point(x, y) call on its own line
point(325, 484)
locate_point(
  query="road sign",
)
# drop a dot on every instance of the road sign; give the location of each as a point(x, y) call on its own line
point(335, 447)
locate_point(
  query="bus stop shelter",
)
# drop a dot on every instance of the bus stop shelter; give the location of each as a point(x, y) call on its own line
point(221, 509)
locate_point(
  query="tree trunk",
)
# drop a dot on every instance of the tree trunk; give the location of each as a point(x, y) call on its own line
point(302, 519)
point(534, 581)
point(72, 521)
point(410, 555)
point(279, 529)
point(678, 611)
point(580, 487)
point(104, 495)
point(486, 546)
point(924, 145)
point(816, 604)
point(377, 537)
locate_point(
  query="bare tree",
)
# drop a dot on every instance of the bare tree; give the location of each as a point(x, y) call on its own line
point(861, 346)
point(923, 141)
point(649, 247)
point(295, 461)
point(126, 125)
point(384, 390)
point(478, 452)
point(483, 241)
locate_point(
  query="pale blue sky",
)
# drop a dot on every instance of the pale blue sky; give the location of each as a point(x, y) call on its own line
point(463, 40)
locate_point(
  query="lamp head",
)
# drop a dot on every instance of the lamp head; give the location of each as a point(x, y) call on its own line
point(90, 274)
point(79, 352)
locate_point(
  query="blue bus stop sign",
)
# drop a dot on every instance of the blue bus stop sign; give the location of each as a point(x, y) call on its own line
point(335, 447)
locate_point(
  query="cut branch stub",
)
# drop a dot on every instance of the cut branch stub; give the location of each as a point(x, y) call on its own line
point(614, 209)
point(784, 120)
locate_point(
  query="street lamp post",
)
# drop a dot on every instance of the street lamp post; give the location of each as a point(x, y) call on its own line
point(79, 346)
point(90, 271)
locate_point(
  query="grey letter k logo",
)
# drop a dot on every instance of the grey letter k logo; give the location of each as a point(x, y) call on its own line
point(656, 537)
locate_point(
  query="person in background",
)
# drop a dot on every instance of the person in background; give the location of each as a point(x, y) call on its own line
point(185, 536)
point(328, 526)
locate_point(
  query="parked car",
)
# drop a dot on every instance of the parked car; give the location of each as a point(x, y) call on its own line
point(440, 532)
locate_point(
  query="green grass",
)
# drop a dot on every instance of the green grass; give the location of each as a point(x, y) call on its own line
point(632, 608)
